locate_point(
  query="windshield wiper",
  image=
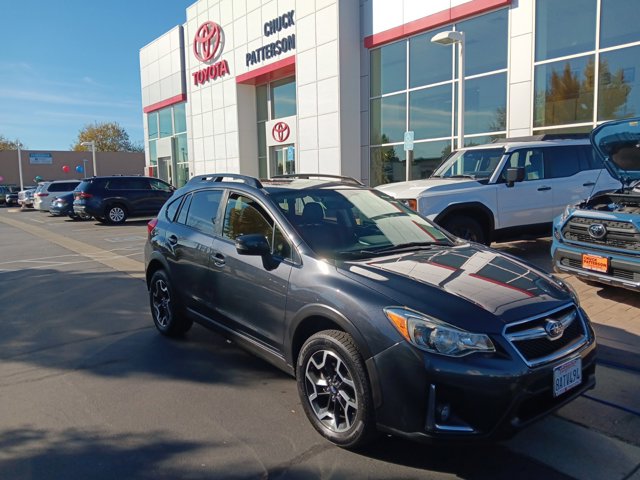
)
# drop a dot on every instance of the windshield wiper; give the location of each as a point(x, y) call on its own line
point(406, 247)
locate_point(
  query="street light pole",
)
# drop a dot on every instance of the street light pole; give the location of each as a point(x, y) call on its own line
point(84, 167)
point(92, 144)
point(19, 145)
point(449, 38)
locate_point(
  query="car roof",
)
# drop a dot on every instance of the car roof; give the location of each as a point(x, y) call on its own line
point(275, 184)
point(534, 141)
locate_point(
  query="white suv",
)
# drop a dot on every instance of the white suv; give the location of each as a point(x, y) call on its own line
point(47, 191)
point(507, 189)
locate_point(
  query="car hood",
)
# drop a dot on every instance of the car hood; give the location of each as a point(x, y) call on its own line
point(462, 285)
point(618, 143)
point(414, 188)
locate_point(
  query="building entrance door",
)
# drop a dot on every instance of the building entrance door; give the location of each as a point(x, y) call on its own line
point(283, 160)
point(165, 169)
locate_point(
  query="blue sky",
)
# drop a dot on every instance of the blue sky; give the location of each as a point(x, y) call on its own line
point(65, 64)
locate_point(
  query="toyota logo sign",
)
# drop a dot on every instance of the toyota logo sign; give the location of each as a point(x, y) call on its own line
point(207, 41)
point(280, 132)
point(597, 231)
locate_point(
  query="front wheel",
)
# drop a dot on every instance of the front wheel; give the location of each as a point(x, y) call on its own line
point(334, 389)
point(167, 314)
point(116, 214)
point(467, 228)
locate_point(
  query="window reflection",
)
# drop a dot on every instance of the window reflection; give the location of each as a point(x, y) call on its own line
point(166, 124)
point(564, 27)
point(485, 104)
point(387, 165)
point(485, 42)
point(427, 156)
point(564, 92)
point(430, 112)
point(283, 98)
point(619, 23)
point(389, 68)
point(388, 119)
point(618, 92)
point(429, 62)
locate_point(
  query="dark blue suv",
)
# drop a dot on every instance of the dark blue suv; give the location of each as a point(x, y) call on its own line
point(387, 322)
point(113, 199)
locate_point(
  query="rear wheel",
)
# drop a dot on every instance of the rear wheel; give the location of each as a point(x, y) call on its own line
point(116, 214)
point(466, 227)
point(334, 389)
point(167, 314)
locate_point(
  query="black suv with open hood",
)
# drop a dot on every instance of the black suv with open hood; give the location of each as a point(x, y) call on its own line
point(599, 238)
point(387, 322)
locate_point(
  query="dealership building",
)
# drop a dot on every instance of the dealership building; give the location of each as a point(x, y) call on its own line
point(344, 87)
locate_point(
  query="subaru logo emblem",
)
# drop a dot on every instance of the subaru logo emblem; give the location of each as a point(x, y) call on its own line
point(597, 230)
point(554, 329)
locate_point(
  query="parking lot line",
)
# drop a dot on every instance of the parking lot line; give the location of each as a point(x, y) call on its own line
point(121, 263)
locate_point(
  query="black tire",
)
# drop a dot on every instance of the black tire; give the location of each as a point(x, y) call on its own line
point(116, 214)
point(466, 227)
point(168, 315)
point(334, 389)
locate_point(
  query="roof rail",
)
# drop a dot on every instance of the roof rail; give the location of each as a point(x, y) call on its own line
point(544, 136)
point(308, 176)
point(226, 177)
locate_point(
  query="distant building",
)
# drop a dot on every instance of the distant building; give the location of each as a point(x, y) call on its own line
point(54, 165)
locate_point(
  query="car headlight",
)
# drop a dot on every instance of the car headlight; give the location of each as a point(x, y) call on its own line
point(435, 336)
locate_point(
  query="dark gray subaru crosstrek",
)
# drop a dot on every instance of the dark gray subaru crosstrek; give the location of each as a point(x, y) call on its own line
point(387, 322)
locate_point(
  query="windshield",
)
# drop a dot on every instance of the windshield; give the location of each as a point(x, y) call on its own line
point(476, 163)
point(355, 223)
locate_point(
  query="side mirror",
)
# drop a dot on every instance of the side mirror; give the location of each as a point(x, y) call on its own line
point(253, 244)
point(514, 175)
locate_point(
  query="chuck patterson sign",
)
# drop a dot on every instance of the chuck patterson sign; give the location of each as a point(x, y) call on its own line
point(208, 43)
point(277, 47)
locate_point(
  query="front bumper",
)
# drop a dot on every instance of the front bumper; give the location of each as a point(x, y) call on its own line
point(484, 396)
point(622, 272)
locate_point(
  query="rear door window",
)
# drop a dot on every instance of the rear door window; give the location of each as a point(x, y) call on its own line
point(204, 210)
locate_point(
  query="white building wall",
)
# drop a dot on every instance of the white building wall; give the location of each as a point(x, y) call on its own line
point(332, 76)
point(161, 71)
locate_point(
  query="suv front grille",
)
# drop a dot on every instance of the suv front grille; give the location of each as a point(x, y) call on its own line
point(623, 235)
point(534, 343)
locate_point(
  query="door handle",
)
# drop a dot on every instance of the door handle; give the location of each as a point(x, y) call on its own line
point(218, 259)
point(589, 184)
point(173, 240)
point(542, 189)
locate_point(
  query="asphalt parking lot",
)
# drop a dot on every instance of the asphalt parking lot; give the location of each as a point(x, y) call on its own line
point(86, 383)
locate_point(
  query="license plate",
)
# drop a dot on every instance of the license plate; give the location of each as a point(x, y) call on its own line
point(567, 376)
point(596, 263)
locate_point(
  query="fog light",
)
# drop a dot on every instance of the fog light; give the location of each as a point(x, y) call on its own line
point(556, 233)
point(444, 412)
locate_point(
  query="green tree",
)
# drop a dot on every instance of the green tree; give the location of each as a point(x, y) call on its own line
point(6, 144)
point(108, 137)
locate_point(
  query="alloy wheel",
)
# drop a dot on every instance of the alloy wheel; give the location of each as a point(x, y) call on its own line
point(116, 214)
point(331, 391)
point(161, 301)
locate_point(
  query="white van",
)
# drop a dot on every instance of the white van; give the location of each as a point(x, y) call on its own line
point(47, 191)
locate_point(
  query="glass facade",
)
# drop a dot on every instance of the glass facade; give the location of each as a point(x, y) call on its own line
point(413, 85)
point(585, 74)
point(169, 122)
point(275, 100)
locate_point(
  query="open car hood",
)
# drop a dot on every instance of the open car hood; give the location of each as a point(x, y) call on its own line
point(618, 143)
